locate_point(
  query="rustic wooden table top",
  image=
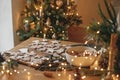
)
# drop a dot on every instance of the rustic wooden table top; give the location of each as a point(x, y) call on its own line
point(28, 73)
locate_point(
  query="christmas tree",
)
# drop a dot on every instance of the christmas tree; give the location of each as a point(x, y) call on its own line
point(103, 31)
point(48, 19)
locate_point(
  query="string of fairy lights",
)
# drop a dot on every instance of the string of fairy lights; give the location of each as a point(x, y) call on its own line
point(63, 73)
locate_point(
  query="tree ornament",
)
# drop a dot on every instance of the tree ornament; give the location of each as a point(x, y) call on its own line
point(63, 36)
point(59, 3)
point(54, 36)
point(27, 27)
point(18, 33)
point(32, 25)
point(48, 22)
point(29, 2)
point(57, 22)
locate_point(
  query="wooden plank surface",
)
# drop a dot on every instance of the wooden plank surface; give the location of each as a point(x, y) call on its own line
point(28, 73)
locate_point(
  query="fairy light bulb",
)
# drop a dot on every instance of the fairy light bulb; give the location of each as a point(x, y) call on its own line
point(15, 70)
point(8, 60)
point(80, 64)
point(26, 21)
point(65, 64)
point(86, 42)
point(72, 51)
point(7, 71)
point(98, 32)
point(25, 70)
point(32, 63)
point(95, 47)
point(72, 60)
point(90, 58)
point(52, 6)
point(95, 68)
point(11, 73)
point(67, 14)
point(2, 72)
point(50, 65)
point(75, 75)
point(63, 58)
point(83, 77)
point(28, 73)
point(18, 72)
point(62, 68)
point(88, 27)
point(86, 57)
point(57, 7)
point(37, 64)
point(75, 56)
point(117, 76)
point(69, 7)
point(79, 67)
point(98, 22)
point(95, 55)
point(77, 14)
point(101, 69)
point(63, 13)
point(62, 64)
point(59, 74)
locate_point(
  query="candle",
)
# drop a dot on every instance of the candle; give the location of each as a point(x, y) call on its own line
point(3, 67)
point(40, 11)
point(44, 36)
point(45, 31)
point(67, 2)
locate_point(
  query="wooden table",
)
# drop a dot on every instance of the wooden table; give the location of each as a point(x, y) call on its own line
point(28, 73)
